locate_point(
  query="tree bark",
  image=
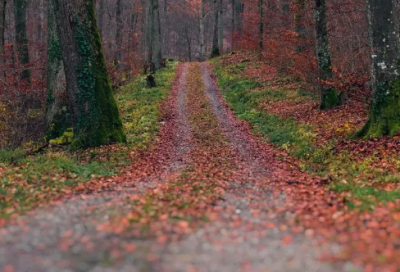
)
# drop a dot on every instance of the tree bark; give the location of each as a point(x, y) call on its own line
point(57, 119)
point(21, 37)
point(100, 17)
point(94, 112)
point(118, 35)
point(237, 13)
point(329, 96)
point(215, 46)
point(202, 45)
point(261, 27)
point(221, 27)
point(300, 24)
point(384, 119)
point(189, 43)
point(3, 4)
point(153, 34)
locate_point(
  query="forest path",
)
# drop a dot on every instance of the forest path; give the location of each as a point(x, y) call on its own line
point(209, 205)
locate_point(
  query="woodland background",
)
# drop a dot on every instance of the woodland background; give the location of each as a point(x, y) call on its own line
point(289, 26)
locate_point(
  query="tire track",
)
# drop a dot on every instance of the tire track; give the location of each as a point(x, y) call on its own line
point(248, 235)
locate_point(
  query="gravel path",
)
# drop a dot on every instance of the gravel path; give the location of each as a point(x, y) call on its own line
point(246, 235)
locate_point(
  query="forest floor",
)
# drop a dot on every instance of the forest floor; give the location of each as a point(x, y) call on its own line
point(212, 194)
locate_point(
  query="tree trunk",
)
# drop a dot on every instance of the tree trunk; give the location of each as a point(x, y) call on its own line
point(261, 27)
point(384, 116)
point(202, 18)
point(221, 28)
point(94, 112)
point(118, 35)
point(3, 4)
point(329, 96)
point(215, 46)
point(300, 27)
point(21, 37)
point(237, 14)
point(100, 17)
point(153, 34)
point(189, 44)
point(57, 119)
point(285, 10)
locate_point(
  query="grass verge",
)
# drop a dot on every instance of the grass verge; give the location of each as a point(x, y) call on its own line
point(366, 180)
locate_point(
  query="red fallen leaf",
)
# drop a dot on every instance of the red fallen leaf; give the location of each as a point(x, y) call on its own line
point(183, 224)
point(8, 268)
point(162, 239)
point(287, 240)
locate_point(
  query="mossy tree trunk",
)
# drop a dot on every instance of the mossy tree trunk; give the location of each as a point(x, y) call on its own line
point(21, 37)
point(215, 46)
point(57, 113)
point(153, 34)
point(329, 95)
point(384, 116)
point(3, 4)
point(94, 112)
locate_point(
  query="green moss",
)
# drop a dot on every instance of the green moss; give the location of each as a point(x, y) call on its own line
point(215, 53)
point(384, 116)
point(65, 138)
point(98, 117)
point(329, 99)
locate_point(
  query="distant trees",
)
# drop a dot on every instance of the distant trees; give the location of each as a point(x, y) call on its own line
point(3, 4)
point(261, 26)
point(21, 37)
point(329, 96)
point(202, 33)
point(215, 50)
point(384, 116)
point(152, 31)
point(94, 113)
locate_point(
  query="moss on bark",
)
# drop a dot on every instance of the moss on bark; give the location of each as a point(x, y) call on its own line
point(94, 113)
point(384, 119)
point(98, 121)
point(329, 99)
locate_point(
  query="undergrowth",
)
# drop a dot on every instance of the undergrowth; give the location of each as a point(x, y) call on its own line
point(361, 180)
point(27, 181)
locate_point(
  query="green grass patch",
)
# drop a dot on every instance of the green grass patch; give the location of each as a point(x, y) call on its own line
point(243, 96)
point(28, 181)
